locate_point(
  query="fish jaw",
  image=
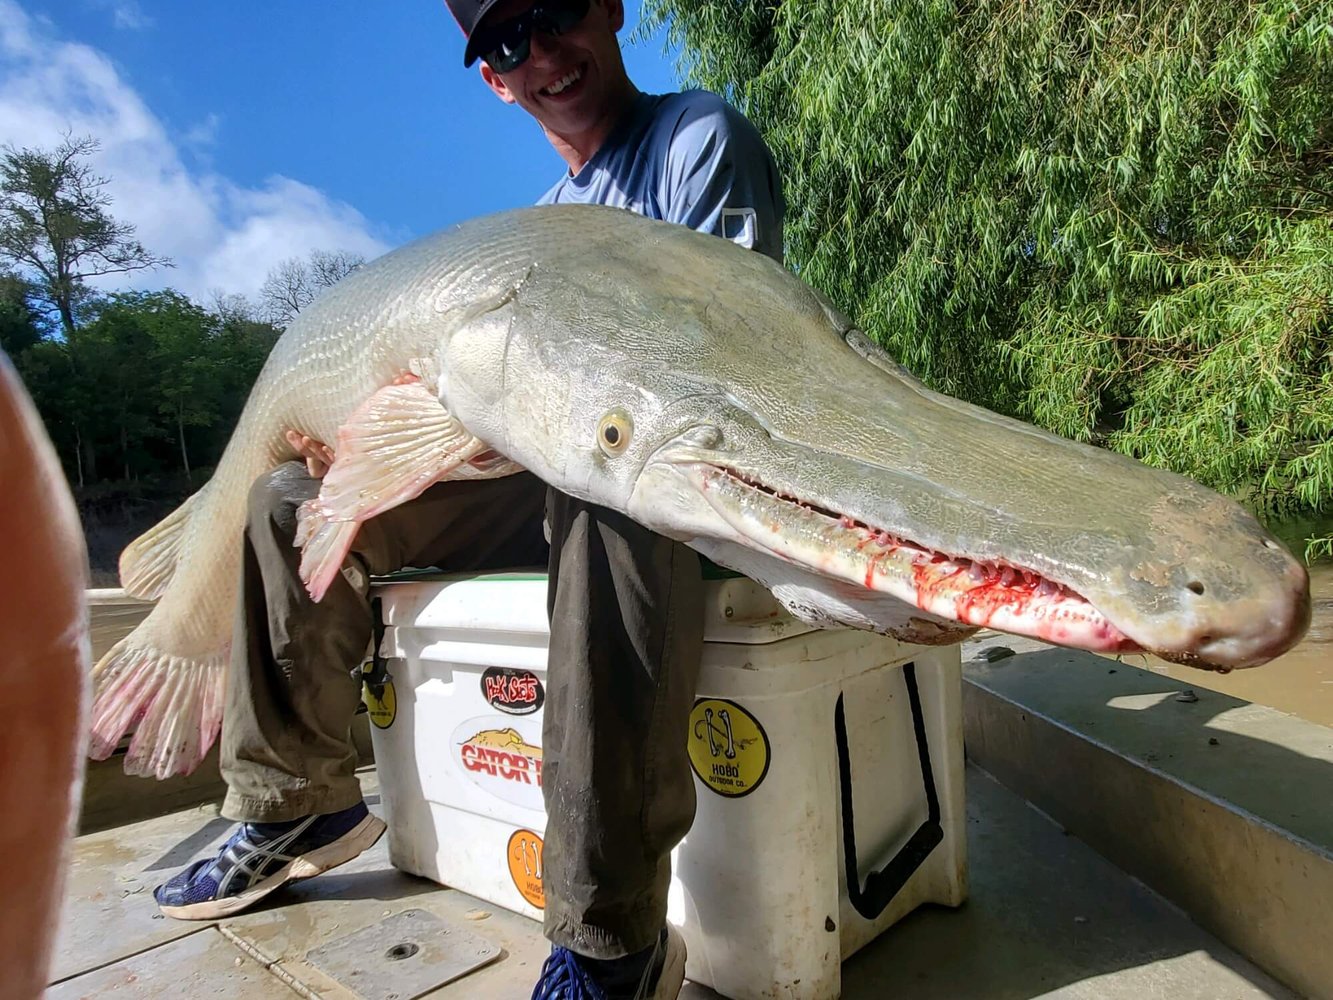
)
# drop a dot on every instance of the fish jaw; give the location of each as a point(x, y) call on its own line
point(957, 589)
point(993, 593)
point(828, 603)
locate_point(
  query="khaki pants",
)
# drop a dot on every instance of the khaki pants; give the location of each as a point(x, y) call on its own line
point(626, 610)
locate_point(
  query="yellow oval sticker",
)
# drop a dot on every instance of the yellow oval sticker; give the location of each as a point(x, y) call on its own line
point(728, 747)
point(381, 704)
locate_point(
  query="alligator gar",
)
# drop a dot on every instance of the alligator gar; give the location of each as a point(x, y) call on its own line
point(717, 399)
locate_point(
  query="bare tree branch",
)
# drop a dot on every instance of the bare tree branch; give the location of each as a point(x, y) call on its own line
point(328, 268)
point(285, 292)
point(294, 284)
point(54, 224)
point(230, 306)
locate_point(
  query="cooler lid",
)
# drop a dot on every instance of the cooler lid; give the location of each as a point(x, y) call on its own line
point(736, 609)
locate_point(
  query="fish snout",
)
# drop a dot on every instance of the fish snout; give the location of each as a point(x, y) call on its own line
point(1244, 621)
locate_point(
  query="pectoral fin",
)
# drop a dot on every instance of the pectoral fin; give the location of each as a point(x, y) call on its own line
point(399, 442)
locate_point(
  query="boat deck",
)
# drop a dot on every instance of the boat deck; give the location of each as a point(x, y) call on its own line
point(1047, 917)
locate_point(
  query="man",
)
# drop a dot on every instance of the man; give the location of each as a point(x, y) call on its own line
point(625, 605)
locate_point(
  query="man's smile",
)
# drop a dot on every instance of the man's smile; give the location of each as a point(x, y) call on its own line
point(564, 84)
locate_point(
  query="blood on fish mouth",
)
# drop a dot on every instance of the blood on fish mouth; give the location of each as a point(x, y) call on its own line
point(977, 592)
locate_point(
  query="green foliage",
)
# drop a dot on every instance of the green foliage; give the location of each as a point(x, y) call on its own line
point(159, 384)
point(1113, 220)
point(20, 323)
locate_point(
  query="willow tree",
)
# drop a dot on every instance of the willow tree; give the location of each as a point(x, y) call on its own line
point(1115, 220)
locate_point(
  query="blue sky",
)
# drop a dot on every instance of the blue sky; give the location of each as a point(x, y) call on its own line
point(238, 134)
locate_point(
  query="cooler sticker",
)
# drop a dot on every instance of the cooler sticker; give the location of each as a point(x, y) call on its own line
point(525, 866)
point(728, 747)
point(516, 692)
point(381, 701)
point(502, 757)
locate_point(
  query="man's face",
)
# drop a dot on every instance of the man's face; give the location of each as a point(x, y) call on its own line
point(569, 81)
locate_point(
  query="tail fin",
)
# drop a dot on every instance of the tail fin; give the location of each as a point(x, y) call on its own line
point(149, 562)
point(174, 705)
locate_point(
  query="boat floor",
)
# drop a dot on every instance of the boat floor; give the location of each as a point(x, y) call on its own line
point(1047, 917)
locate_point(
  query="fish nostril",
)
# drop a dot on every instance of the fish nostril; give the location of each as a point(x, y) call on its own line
point(1195, 587)
point(1270, 544)
point(708, 437)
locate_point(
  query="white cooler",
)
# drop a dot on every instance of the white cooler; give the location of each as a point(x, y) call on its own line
point(810, 748)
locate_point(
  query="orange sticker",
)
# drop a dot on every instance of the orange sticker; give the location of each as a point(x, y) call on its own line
point(525, 866)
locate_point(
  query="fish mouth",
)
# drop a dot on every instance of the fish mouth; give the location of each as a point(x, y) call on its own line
point(994, 594)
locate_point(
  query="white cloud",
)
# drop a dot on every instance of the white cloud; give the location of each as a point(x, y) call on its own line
point(204, 133)
point(125, 14)
point(220, 234)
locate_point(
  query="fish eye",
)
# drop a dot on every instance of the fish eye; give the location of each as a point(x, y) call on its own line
point(614, 431)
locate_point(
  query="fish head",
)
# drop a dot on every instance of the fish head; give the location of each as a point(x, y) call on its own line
point(719, 400)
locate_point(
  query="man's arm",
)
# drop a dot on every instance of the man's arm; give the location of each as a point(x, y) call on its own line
point(720, 176)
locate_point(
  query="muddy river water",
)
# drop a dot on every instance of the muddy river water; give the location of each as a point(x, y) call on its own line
point(1299, 682)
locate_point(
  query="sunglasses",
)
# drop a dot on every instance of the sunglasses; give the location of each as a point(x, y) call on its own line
point(508, 44)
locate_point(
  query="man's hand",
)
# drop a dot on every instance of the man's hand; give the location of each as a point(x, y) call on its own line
point(318, 456)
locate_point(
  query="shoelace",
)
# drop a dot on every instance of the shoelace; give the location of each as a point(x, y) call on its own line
point(563, 978)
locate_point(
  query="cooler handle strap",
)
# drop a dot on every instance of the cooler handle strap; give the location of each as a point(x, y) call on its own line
point(881, 886)
point(375, 672)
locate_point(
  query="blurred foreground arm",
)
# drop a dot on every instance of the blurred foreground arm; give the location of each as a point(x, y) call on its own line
point(44, 631)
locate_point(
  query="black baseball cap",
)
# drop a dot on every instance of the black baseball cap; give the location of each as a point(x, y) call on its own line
point(468, 14)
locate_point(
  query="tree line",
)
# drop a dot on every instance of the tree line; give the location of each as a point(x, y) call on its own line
point(130, 385)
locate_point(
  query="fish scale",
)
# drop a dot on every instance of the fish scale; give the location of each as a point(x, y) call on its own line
point(527, 330)
point(165, 680)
